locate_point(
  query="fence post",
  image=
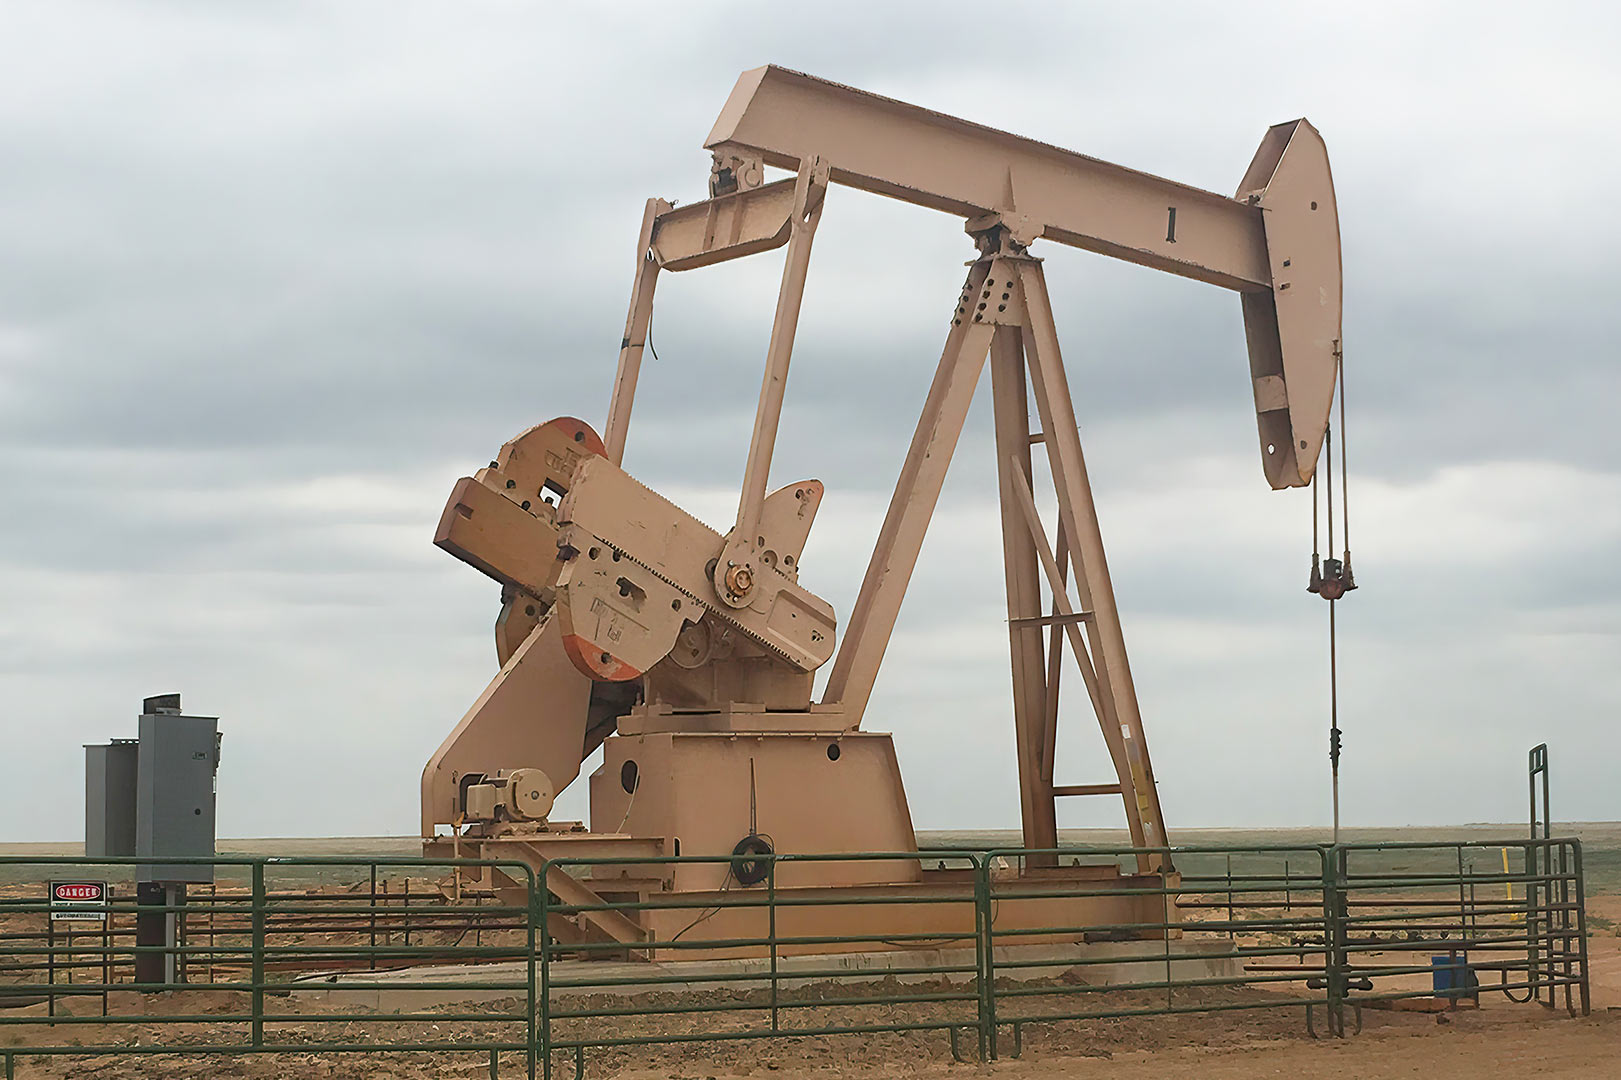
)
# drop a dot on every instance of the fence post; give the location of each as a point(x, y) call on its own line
point(258, 949)
point(372, 904)
point(106, 949)
point(1533, 919)
point(1581, 925)
point(1333, 959)
point(771, 914)
point(543, 896)
point(1231, 936)
point(531, 913)
point(213, 936)
point(1463, 905)
point(1165, 917)
point(50, 963)
point(986, 947)
point(1565, 925)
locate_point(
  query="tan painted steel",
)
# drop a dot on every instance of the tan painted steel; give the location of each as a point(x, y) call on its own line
point(710, 789)
point(872, 619)
point(636, 568)
point(939, 904)
point(888, 147)
point(689, 655)
point(1277, 242)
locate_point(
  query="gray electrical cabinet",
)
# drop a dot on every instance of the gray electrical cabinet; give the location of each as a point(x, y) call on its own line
point(174, 794)
point(153, 797)
point(109, 798)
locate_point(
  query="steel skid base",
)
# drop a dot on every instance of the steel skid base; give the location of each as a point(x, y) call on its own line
point(603, 903)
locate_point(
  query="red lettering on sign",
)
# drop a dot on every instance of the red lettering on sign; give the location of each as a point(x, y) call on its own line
point(78, 892)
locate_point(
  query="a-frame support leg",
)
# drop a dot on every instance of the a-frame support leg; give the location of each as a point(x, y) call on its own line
point(917, 489)
point(1078, 517)
point(1031, 706)
point(1014, 325)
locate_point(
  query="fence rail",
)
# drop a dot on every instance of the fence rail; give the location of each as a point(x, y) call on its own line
point(349, 955)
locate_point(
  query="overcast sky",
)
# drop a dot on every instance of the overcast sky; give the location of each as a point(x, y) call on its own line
point(273, 276)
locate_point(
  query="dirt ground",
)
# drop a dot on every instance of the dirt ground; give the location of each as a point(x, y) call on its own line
point(1524, 1039)
point(1474, 1045)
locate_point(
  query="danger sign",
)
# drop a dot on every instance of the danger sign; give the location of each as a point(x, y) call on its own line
point(81, 900)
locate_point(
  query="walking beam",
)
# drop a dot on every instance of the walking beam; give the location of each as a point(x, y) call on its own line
point(1277, 242)
point(888, 147)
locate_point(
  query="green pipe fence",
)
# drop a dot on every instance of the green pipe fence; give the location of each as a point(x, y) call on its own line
point(238, 984)
point(781, 988)
point(329, 954)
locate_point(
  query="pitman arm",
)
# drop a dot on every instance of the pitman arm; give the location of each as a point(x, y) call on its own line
point(538, 710)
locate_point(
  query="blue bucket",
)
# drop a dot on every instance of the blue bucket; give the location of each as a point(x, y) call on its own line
point(1452, 977)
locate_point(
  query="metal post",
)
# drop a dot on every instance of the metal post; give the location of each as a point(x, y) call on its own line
point(1230, 935)
point(543, 898)
point(50, 961)
point(1581, 926)
point(180, 940)
point(151, 931)
point(1531, 780)
point(986, 946)
point(1565, 924)
point(258, 947)
point(1473, 921)
point(106, 949)
point(1165, 921)
point(1531, 946)
point(1333, 974)
point(1463, 897)
point(372, 955)
point(1539, 864)
point(530, 918)
point(1537, 762)
point(771, 914)
point(213, 934)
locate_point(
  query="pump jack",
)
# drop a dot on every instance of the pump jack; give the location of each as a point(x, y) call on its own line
point(689, 655)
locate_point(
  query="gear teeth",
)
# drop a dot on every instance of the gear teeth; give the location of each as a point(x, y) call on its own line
point(722, 614)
